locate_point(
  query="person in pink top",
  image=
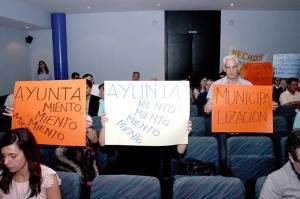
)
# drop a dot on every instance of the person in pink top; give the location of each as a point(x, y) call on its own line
point(22, 174)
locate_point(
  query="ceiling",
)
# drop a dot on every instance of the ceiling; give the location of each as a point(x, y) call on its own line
point(93, 6)
point(90, 6)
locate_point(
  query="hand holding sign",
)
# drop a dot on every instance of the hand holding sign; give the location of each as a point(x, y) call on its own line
point(8, 111)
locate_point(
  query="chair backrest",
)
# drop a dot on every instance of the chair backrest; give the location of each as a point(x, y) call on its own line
point(125, 186)
point(70, 187)
point(283, 151)
point(48, 155)
point(193, 110)
point(258, 186)
point(199, 127)
point(249, 158)
point(280, 124)
point(198, 187)
point(204, 149)
point(97, 123)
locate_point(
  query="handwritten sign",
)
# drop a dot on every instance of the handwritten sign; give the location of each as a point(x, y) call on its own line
point(245, 56)
point(259, 73)
point(52, 110)
point(286, 65)
point(239, 108)
point(146, 113)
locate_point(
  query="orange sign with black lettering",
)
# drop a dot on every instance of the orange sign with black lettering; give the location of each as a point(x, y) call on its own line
point(258, 73)
point(52, 110)
point(239, 108)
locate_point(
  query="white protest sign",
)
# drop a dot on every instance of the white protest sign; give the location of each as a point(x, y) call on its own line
point(286, 65)
point(146, 113)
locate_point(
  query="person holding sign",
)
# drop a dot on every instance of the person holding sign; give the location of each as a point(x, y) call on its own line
point(81, 160)
point(23, 176)
point(285, 182)
point(231, 68)
point(148, 161)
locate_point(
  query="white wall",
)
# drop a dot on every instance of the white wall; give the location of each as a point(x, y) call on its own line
point(268, 32)
point(14, 58)
point(41, 49)
point(18, 11)
point(112, 45)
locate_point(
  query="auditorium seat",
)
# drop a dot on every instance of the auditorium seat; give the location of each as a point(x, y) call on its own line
point(70, 187)
point(249, 158)
point(193, 110)
point(1, 134)
point(204, 149)
point(48, 155)
point(283, 151)
point(280, 125)
point(208, 187)
point(199, 127)
point(258, 186)
point(125, 186)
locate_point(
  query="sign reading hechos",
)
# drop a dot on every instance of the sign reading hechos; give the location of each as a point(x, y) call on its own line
point(146, 113)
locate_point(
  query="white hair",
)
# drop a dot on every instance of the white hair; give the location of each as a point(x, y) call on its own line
point(230, 57)
point(235, 59)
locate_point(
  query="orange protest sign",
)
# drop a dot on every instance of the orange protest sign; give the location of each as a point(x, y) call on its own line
point(239, 108)
point(258, 73)
point(52, 110)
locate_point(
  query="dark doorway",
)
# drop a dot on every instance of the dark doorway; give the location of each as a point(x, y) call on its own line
point(192, 45)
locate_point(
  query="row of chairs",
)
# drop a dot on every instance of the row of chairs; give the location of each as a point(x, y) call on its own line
point(247, 158)
point(202, 126)
point(146, 187)
point(186, 187)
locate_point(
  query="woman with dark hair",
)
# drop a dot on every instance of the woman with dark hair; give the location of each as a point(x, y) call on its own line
point(22, 175)
point(42, 72)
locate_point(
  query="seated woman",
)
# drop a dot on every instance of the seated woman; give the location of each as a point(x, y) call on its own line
point(81, 160)
point(22, 174)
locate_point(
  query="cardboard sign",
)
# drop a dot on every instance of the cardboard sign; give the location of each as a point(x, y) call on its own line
point(245, 56)
point(286, 65)
point(239, 108)
point(146, 113)
point(52, 110)
point(259, 73)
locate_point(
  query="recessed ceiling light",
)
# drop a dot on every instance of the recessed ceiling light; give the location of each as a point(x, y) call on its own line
point(232, 4)
point(27, 27)
point(158, 4)
point(89, 7)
